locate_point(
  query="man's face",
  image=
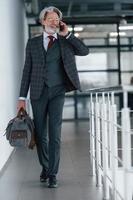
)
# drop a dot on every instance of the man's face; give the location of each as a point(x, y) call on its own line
point(51, 22)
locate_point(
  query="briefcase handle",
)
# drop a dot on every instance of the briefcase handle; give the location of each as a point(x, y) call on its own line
point(22, 112)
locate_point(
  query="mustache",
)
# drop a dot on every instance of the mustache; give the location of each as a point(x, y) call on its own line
point(52, 30)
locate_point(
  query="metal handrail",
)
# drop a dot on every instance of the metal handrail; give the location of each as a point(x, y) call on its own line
point(115, 89)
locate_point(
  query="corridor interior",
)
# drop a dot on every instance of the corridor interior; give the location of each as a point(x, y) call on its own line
point(20, 178)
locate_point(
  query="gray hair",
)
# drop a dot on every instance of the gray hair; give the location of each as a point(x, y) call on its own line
point(44, 12)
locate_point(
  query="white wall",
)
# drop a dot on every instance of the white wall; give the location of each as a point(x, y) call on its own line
point(13, 32)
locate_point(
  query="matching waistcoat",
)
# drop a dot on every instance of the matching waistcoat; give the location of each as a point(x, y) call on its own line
point(54, 67)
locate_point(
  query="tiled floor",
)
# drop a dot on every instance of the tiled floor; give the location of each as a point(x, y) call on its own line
point(20, 180)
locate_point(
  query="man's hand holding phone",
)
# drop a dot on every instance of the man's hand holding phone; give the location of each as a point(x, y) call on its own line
point(63, 29)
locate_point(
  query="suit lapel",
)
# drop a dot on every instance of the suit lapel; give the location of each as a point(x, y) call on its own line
point(61, 43)
point(40, 48)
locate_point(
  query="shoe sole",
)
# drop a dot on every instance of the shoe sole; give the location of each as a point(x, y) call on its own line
point(52, 186)
point(43, 180)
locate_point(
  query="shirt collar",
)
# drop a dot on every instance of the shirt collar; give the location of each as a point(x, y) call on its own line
point(45, 35)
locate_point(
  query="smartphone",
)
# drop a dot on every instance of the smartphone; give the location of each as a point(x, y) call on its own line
point(61, 27)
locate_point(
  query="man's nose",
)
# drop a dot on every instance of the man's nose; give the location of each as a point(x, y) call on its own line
point(54, 21)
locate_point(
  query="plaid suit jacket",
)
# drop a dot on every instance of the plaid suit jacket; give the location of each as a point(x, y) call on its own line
point(34, 67)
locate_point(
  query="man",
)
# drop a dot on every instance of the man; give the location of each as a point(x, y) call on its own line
point(50, 71)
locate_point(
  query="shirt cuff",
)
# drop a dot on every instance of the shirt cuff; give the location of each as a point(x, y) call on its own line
point(22, 98)
point(68, 35)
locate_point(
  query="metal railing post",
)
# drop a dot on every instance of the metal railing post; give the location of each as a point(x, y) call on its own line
point(104, 148)
point(92, 137)
point(114, 150)
point(98, 145)
point(126, 141)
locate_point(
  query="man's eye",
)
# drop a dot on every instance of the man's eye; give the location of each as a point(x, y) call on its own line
point(50, 19)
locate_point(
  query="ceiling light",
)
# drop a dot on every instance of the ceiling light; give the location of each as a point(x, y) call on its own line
point(77, 28)
point(70, 28)
point(125, 27)
point(115, 34)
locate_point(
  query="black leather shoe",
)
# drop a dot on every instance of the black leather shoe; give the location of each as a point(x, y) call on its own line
point(52, 182)
point(43, 177)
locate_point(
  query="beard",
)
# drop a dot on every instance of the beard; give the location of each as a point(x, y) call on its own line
point(51, 30)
